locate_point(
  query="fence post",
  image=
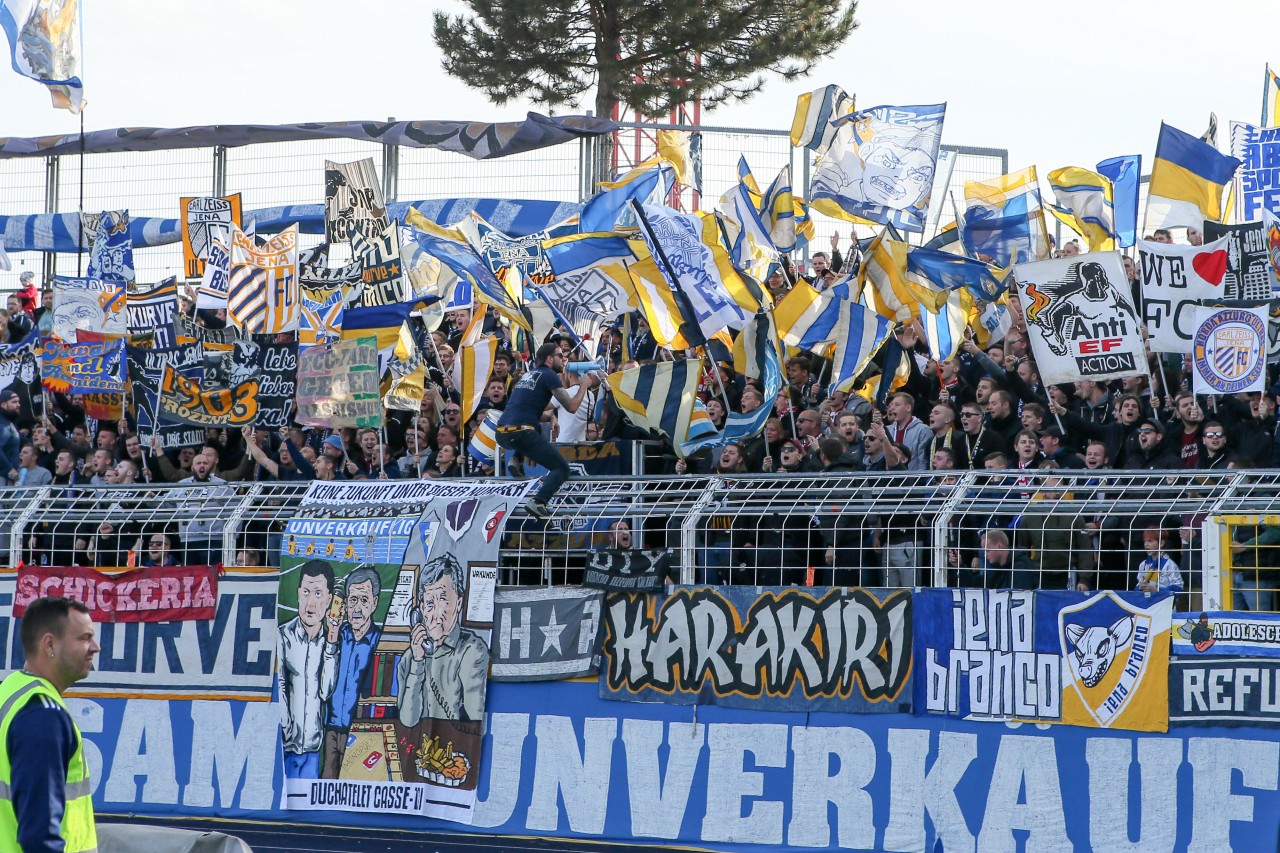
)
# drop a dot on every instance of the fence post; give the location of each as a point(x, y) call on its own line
point(1211, 554)
point(942, 526)
point(390, 170)
point(219, 170)
point(52, 174)
point(38, 498)
point(689, 530)
point(231, 530)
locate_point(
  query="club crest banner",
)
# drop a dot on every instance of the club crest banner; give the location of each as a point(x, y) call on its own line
point(262, 288)
point(83, 368)
point(386, 606)
point(1098, 660)
point(764, 648)
point(1080, 318)
point(205, 220)
point(545, 633)
point(338, 385)
point(90, 305)
point(353, 202)
point(1229, 350)
point(1175, 279)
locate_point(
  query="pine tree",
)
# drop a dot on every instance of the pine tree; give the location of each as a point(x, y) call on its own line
point(651, 56)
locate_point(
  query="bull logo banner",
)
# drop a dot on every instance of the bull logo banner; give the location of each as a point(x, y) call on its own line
point(96, 368)
point(203, 221)
point(1229, 350)
point(1080, 318)
point(1098, 660)
point(353, 202)
point(1175, 279)
point(91, 305)
point(761, 648)
point(384, 646)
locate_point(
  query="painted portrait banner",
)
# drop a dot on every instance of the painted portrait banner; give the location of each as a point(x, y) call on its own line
point(1097, 660)
point(1238, 634)
point(880, 166)
point(1080, 318)
point(763, 648)
point(353, 201)
point(545, 633)
point(111, 255)
point(386, 606)
point(149, 594)
point(230, 655)
point(204, 220)
point(88, 304)
point(338, 385)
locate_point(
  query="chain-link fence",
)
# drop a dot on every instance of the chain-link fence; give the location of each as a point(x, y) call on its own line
point(1211, 537)
point(290, 173)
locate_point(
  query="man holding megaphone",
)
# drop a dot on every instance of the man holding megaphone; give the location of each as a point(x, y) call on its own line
point(518, 428)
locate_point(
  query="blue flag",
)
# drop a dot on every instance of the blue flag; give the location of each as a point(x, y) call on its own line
point(1125, 173)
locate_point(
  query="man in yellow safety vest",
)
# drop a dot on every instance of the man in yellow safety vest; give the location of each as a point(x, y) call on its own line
point(45, 790)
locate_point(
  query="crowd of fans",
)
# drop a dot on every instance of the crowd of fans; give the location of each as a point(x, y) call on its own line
point(985, 410)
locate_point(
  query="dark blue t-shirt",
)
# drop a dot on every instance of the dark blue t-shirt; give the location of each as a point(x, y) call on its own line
point(530, 398)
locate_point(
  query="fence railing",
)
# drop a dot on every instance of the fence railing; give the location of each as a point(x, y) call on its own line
point(1098, 529)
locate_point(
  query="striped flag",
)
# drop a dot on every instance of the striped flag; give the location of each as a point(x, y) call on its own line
point(1085, 202)
point(811, 127)
point(1270, 99)
point(756, 355)
point(750, 247)
point(262, 293)
point(659, 397)
point(858, 334)
point(662, 308)
point(778, 210)
point(887, 286)
point(807, 317)
point(483, 446)
point(944, 329)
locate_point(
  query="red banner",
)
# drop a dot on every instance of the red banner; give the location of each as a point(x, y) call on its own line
point(152, 594)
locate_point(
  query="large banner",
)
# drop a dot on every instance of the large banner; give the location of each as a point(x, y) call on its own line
point(381, 272)
point(386, 606)
point(145, 372)
point(205, 220)
point(262, 286)
point(230, 655)
point(111, 251)
point(1175, 279)
point(766, 648)
point(1229, 634)
point(259, 389)
point(545, 633)
point(338, 385)
point(83, 368)
point(1249, 272)
point(151, 312)
point(353, 202)
point(632, 569)
point(1080, 318)
point(1210, 691)
point(150, 594)
point(1097, 660)
point(561, 763)
point(1258, 149)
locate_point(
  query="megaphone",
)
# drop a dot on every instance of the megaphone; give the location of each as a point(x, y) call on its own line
point(581, 367)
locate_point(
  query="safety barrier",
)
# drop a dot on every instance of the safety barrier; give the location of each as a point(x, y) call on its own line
point(896, 530)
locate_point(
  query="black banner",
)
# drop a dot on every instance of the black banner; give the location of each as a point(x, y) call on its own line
point(629, 570)
point(1224, 692)
point(544, 633)
point(259, 391)
point(146, 369)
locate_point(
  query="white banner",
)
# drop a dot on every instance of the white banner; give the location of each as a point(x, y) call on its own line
point(1175, 279)
point(1080, 318)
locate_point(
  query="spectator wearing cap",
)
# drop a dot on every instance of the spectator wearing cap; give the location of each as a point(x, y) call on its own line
point(1054, 451)
point(10, 438)
point(1152, 453)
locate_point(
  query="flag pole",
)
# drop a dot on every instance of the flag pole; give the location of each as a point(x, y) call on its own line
point(80, 220)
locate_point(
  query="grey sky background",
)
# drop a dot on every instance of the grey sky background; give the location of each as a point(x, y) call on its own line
point(1055, 85)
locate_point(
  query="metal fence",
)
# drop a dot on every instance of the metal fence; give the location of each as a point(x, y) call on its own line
point(1047, 529)
point(289, 173)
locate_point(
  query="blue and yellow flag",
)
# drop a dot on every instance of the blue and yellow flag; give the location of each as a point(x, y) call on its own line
point(659, 397)
point(44, 45)
point(756, 355)
point(945, 271)
point(683, 150)
point(944, 329)
point(778, 211)
point(1125, 174)
point(811, 127)
point(1187, 180)
point(609, 209)
point(1004, 219)
point(1270, 99)
point(1085, 202)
